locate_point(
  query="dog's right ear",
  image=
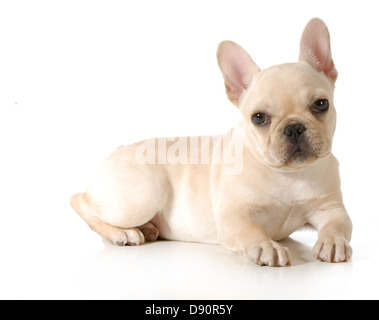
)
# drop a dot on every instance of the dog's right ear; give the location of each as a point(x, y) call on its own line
point(237, 68)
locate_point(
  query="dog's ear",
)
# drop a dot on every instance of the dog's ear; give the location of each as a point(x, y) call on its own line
point(237, 68)
point(315, 48)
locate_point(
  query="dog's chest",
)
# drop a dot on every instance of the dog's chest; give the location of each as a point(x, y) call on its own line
point(281, 220)
point(284, 207)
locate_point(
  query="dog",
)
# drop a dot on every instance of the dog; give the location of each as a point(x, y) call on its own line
point(280, 175)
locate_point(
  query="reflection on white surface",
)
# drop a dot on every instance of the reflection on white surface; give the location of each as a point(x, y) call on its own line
point(176, 270)
point(77, 264)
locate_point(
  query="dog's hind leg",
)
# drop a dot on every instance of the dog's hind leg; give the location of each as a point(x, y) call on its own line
point(117, 235)
point(123, 198)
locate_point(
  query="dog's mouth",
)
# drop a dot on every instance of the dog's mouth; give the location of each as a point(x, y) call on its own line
point(299, 156)
point(295, 158)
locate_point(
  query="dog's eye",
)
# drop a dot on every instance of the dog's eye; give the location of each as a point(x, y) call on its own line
point(260, 119)
point(320, 106)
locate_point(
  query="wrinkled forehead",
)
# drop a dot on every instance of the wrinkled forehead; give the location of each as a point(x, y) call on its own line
point(288, 84)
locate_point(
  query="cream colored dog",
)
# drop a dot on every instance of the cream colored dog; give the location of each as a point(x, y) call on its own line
point(271, 175)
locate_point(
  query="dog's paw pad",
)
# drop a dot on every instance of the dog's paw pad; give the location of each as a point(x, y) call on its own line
point(149, 231)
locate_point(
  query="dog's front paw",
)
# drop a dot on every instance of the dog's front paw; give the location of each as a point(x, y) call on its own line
point(270, 253)
point(332, 250)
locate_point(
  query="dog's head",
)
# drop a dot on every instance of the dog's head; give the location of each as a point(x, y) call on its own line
point(288, 109)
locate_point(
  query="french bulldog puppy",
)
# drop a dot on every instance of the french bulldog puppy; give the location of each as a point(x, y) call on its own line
point(247, 189)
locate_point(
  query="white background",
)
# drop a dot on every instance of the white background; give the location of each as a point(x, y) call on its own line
point(79, 78)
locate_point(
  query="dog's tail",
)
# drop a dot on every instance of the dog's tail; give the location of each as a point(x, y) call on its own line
point(75, 202)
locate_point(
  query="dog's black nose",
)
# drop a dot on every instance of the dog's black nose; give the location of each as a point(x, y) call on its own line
point(294, 132)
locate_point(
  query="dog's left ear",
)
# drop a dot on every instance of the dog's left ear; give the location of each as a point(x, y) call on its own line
point(315, 48)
